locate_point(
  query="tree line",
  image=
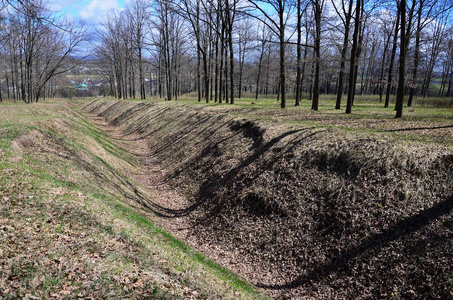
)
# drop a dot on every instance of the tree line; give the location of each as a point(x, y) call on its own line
point(35, 46)
point(223, 48)
point(220, 50)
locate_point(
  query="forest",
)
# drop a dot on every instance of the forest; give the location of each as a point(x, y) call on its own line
point(226, 49)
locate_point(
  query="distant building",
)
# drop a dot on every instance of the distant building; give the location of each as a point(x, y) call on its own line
point(82, 87)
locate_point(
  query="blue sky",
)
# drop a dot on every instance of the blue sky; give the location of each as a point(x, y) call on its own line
point(92, 11)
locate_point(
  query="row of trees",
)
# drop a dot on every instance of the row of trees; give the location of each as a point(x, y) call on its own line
point(35, 46)
point(221, 48)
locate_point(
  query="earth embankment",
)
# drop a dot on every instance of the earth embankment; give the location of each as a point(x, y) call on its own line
point(303, 211)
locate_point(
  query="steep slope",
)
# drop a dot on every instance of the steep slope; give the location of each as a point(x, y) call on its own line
point(304, 211)
point(68, 223)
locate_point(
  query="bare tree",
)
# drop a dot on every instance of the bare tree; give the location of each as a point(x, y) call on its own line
point(283, 9)
point(263, 36)
point(139, 16)
point(392, 60)
point(345, 16)
point(46, 44)
point(301, 9)
point(244, 46)
point(404, 44)
point(355, 42)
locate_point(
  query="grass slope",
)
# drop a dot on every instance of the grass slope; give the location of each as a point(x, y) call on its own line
point(68, 227)
point(311, 204)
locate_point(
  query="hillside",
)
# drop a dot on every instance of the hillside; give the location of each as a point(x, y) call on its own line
point(69, 226)
point(124, 199)
point(302, 204)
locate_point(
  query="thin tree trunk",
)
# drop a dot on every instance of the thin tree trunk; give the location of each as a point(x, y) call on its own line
point(206, 75)
point(352, 67)
point(142, 79)
point(400, 92)
point(282, 58)
point(315, 102)
point(227, 100)
point(7, 84)
point(259, 70)
point(381, 78)
point(392, 61)
point(197, 34)
point(221, 83)
point(344, 51)
point(230, 44)
point(299, 52)
point(416, 57)
point(450, 82)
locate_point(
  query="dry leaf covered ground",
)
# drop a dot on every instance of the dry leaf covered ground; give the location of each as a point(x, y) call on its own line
point(68, 227)
point(303, 204)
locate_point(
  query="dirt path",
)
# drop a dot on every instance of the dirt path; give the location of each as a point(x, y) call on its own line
point(166, 200)
point(172, 210)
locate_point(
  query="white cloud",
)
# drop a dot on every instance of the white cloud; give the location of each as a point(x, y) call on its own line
point(95, 10)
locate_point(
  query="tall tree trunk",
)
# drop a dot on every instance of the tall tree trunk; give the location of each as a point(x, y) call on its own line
point(344, 51)
point(221, 71)
point(282, 57)
point(227, 100)
point(22, 79)
point(160, 75)
point(358, 53)
point(299, 51)
point(216, 76)
point(230, 18)
point(217, 40)
point(318, 12)
point(392, 61)
point(197, 34)
point(7, 85)
point(260, 62)
point(416, 58)
point(352, 67)
point(381, 77)
point(142, 79)
point(402, 66)
point(206, 75)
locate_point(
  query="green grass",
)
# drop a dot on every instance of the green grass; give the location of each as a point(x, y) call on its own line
point(422, 123)
point(66, 186)
point(178, 245)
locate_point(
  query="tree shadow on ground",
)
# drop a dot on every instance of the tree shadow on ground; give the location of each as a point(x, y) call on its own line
point(418, 128)
point(213, 182)
point(373, 245)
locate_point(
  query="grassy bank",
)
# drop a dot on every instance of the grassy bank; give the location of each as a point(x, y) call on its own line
point(68, 223)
